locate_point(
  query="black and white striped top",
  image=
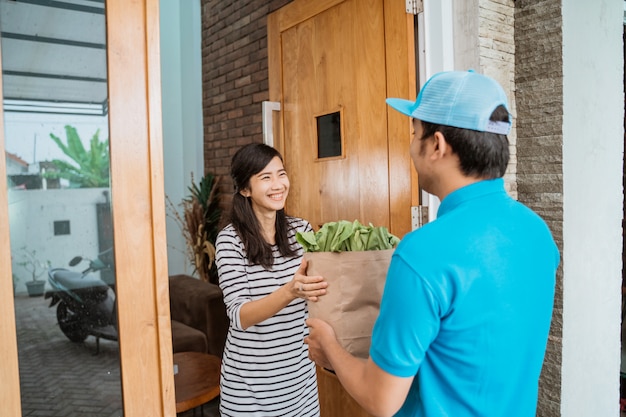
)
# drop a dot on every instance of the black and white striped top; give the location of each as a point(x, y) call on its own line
point(265, 368)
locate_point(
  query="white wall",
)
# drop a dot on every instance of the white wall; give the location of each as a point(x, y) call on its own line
point(181, 83)
point(592, 196)
point(437, 37)
point(33, 213)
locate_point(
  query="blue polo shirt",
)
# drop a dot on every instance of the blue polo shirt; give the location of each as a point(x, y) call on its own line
point(467, 307)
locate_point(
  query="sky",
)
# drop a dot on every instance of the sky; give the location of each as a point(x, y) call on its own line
point(27, 135)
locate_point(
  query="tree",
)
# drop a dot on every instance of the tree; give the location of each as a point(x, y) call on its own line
point(90, 168)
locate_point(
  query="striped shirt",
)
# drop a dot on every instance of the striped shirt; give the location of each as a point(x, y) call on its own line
point(265, 368)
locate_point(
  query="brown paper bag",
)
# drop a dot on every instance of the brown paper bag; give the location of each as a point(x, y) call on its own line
point(355, 286)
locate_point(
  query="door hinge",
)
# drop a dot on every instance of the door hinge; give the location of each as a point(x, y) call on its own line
point(419, 216)
point(414, 6)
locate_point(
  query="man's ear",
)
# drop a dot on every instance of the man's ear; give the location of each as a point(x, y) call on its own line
point(441, 147)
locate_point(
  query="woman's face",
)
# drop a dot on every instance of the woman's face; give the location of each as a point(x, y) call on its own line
point(269, 188)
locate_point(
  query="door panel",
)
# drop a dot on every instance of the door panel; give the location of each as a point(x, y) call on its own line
point(333, 63)
point(139, 208)
point(347, 57)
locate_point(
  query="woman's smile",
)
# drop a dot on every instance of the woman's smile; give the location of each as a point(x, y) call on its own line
point(269, 188)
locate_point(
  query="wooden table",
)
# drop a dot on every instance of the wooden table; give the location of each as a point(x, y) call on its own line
point(198, 379)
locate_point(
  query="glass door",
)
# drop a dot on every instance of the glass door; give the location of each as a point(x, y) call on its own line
point(56, 131)
point(82, 208)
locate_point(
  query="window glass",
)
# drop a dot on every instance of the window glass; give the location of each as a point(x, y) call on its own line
point(54, 85)
point(329, 135)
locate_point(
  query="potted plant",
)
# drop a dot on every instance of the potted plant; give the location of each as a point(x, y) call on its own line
point(35, 267)
point(199, 223)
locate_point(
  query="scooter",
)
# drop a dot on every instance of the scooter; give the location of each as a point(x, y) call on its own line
point(86, 304)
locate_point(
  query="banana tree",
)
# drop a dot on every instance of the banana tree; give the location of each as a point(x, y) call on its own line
point(90, 167)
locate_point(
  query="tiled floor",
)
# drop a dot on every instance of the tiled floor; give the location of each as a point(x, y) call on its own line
point(59, 378)
point(211, 409)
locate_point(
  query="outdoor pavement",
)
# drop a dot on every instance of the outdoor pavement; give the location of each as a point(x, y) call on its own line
point(59, 378)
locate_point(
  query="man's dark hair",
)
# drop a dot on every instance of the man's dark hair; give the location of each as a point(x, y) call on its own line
point(482, 154)
point(248, 161)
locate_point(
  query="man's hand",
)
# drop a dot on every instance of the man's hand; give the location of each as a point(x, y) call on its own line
point(377, 391)
point(320, 335)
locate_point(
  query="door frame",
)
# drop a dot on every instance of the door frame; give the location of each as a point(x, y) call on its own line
point(400, 62)
point(138, 209)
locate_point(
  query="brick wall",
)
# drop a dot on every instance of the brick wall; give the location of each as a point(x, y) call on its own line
point(539, 99)
point(234, 79)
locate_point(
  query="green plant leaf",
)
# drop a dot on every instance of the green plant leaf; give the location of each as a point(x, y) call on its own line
point(308, 241)
point(90, 168)
point(347, 236)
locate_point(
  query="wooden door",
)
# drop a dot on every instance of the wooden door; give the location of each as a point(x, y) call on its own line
point(335, 60)
point(333, 66)
point(339, 60)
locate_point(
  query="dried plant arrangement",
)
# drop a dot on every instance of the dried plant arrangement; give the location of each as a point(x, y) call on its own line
point(199, 224)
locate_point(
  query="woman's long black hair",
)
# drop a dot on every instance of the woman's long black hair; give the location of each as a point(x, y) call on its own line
point(248, 161)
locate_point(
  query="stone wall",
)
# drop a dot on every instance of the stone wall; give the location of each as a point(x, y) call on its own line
point(539, 99)
point(484, 41)
point(496, 50)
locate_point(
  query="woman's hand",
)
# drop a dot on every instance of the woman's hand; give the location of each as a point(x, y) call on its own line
point(307, 287)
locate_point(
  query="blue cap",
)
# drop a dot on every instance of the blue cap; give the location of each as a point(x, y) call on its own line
point(463, 99)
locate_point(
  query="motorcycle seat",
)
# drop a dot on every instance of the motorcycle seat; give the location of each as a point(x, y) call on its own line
point(75, 280)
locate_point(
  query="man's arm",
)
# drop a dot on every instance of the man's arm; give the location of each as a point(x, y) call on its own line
point(377, 391)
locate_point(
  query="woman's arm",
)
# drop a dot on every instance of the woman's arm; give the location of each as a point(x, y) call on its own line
point(243, 311)
point(301, 286)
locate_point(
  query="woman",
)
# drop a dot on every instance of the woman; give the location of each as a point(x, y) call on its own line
point(265, 369)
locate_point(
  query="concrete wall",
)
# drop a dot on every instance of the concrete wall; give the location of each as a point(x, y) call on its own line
point(182, 114)
point(593, 145)
point(32, 215)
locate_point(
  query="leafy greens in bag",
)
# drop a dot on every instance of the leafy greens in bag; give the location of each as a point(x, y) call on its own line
point(343, 236)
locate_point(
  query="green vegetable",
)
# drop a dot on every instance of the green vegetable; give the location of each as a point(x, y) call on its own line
point(344, 236)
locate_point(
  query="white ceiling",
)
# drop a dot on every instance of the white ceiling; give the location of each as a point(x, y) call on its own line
point(54, 56)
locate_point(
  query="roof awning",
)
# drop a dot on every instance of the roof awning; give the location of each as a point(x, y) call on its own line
point(54, 56)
